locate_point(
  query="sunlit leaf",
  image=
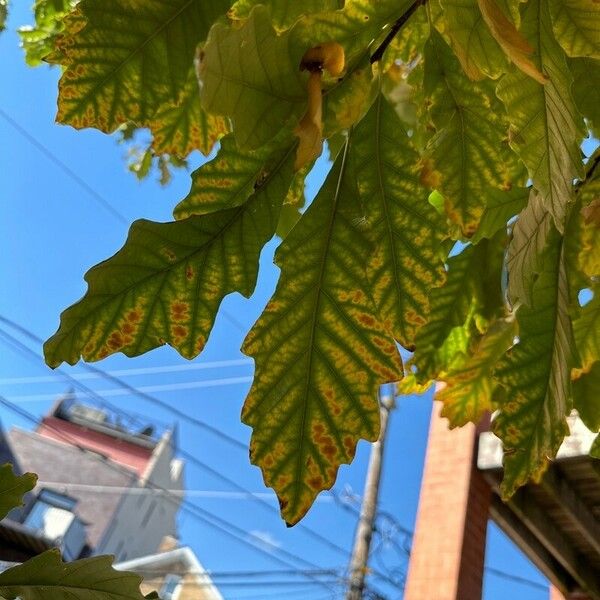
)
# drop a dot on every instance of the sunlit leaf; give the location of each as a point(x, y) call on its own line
point(585, 396)
point(469, 152)
point(586, 90)
point(525, 252)
point(501, 206)
point(355, 27)
point(46, 576)
point(284, 13)
point(407, 262)
point(577, 26)
point(586, 327)
point(509, 39)
point(478, 52)
point(129, 59)
point(3, 14)
point(472, 291)
point(227, 180)
point(470, 385)
point(252, 75)
point(320, 351)
point(166, 284)
point(546, 128)
point(38, 39)
point(180, 128)
point(13, 488)
point(536, 374)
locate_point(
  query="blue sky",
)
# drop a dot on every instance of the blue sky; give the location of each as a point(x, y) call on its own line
point(52, 231)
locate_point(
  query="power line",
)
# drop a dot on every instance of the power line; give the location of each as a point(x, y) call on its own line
point(106, 205)
point(217, 364)
point(198, 493)
point(202, 465)
point(309, 531)
point(167, 387)
point(516, 578)
point(85, 186)
point(134, 391)
point(216, 522)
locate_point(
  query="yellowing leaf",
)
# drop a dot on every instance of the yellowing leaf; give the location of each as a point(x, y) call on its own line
point(310, 128)
point(471, 293)
point(327, 57)
point(166, 284)
point(469, 152)
point(525, 252)
point(586, 90)
point(536, 374)
point(546, 128)
point(229, 179)
point(252, 75)
point(462, 24)
point(576, 25)
point(284, 13)
point(586, 327)
point(470, 387)
point(407, 261)
point(180, 128)
point(585, 396)
point(129, 59)
point(510, 40)
point(501, 206)
point(320, 350)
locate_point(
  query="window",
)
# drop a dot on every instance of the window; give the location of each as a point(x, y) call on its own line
point(38, 516)
point(171, 587)
point(57, 500)
point(53, 515)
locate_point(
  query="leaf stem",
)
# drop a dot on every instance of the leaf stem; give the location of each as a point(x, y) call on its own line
point(378, 54)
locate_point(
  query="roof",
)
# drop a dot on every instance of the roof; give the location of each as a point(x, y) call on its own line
point(556, 523)
point(18, 542)
point(180, 561)
point(58, 462)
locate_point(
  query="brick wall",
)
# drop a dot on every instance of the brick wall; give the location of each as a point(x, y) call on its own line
point(449, 543)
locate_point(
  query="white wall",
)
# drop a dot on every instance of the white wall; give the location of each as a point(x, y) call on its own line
point(146, 515)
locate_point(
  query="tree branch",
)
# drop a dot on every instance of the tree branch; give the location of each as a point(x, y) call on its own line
point(378, 54)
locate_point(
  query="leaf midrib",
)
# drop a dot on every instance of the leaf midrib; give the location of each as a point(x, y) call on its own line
point(302, 446)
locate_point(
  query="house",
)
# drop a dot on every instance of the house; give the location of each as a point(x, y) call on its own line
point(174, 572)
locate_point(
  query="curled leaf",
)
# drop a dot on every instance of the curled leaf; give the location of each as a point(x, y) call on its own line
point(514, 45)
point(324, 57)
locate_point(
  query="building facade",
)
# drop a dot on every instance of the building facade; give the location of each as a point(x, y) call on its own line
point(104, 488)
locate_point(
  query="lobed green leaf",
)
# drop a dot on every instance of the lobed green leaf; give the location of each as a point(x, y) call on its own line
point(13, 488)
point(320, 350)
point(166, 284)
point(47, 576)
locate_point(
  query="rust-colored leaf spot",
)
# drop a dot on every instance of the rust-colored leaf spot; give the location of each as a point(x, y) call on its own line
point(115, 340)
point(134, 316)
point(316, 482)
point(179, 331)
point(189, 272)
point(179, 310)
point(367, 320)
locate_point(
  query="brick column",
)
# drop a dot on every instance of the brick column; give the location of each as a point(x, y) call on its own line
point(556, 594)
point(449, 543)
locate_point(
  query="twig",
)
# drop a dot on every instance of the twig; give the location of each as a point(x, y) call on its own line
point(378, 54)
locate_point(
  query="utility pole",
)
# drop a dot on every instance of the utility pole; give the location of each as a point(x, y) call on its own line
point(368, 511)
